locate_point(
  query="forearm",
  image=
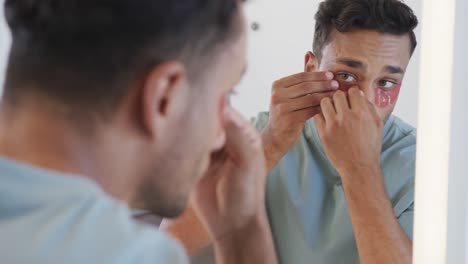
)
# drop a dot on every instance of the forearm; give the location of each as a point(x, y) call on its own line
point(272, 151)
point(379, 236)
point(254, 244)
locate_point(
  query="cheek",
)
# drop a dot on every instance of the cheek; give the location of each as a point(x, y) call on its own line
point(384, 98)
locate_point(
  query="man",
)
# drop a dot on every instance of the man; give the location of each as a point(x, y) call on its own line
point(101, 112)
point(341, 186)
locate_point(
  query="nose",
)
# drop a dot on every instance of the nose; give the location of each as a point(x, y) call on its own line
point(367, 88)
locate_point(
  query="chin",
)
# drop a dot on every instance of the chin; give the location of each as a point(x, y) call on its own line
point(163, 201)
point(174, 210)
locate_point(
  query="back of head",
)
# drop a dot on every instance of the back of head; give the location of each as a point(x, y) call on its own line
point(85, 54)
point(384, 16)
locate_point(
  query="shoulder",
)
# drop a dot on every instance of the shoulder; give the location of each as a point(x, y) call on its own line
point(399, 135)
point(399, 148)
point(399, 163)
point(89, 229)
point(402, 129)
point(122, 237)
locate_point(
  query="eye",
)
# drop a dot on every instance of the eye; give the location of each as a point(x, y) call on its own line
point(346, 77)
point(386, 84)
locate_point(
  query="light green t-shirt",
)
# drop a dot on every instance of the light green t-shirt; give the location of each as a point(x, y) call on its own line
point(306, 203)
point(50, 218)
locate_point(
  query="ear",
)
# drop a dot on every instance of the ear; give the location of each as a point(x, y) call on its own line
point(162, 97)
point(311, 62)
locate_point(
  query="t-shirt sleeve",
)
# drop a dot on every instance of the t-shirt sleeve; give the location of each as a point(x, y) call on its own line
point(260, 121)
point(406, 221)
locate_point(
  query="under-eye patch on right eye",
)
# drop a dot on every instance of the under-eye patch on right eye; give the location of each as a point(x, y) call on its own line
point(345, 86)
point(346, 81)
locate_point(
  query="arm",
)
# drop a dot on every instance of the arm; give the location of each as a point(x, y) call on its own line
point(253, 244)
point(273, 152)
point(379, 236)
point(351, 133)
point(229, 201)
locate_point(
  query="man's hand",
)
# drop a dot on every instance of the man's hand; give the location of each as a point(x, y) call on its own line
point(229, 200)
point(351, 132)
point(295, 99)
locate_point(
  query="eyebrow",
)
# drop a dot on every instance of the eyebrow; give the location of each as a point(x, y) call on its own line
point(394, 69)
point(352, 63)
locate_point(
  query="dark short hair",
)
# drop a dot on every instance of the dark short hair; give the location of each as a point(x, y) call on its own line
point(385, 16)
point(88, 53)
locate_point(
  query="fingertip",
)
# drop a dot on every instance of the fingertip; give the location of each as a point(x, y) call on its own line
point(339, 93)
point(355, 90)
point(335, 84)
point(329, 75)
point(325, 100)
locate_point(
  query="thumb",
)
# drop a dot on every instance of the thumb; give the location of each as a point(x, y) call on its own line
point(243, 142)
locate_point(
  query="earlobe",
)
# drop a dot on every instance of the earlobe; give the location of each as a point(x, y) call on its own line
point(310, 64)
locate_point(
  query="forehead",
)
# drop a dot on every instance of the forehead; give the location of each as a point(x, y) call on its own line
point(370, 47)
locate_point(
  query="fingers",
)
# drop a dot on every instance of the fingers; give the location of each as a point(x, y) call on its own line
point(302, 91)
point(357, 98)
point(303, 115)
point(304, 102)
point(303, 77)
point(243, 142)
point(328, 110)
point(306, 88)
point(341, 102)
point(358, 101)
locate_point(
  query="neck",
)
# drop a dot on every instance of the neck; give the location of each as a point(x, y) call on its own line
point(42, 137)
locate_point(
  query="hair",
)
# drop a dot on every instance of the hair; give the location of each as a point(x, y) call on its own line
point(87, 54)
point(385, 16)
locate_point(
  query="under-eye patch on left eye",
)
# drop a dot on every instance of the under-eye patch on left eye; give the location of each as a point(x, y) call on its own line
point(386, 97)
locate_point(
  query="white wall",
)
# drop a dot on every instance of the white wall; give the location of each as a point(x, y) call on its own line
point(277, 50)
point(4, 44)
point(457, 231)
